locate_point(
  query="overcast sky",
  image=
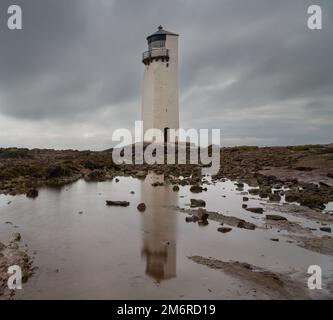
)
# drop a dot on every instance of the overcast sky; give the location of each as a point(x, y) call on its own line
point(250, 67)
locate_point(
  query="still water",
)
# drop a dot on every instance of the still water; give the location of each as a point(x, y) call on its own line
point(86, 250)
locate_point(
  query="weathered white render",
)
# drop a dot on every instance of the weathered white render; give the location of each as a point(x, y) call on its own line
point(160, 106)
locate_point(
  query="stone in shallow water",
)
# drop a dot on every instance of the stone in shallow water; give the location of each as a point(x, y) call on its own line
point(197, 203)
point(275, 217)
point(224, 229)
point(256, 210)
point(117, 203)
point(326, 229)
point(142, 207)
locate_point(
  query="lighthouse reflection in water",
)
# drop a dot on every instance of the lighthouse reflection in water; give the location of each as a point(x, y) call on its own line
point(159, 226)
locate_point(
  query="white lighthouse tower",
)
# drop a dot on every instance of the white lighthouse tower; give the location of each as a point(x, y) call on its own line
point(160, 108)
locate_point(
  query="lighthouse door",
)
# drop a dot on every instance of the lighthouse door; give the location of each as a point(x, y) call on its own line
point(166, 135)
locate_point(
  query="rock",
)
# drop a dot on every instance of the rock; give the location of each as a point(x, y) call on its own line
point(292, 196)
point(141, 174)
point(254, 192)
point(32, 193)
point(256, 210)
point(304, 168)
point(265, 192)
point(275, 239)
point(201, 215)
point(246, 225)
point(16, 237)
point(195, 203)
point(117, 203)
point(157, 184)
point(330, 175)
point(117, 180)
point(132, 192)
point(81, 212)
point(326, 229)
point(313, 201)
point(190, 219)
point(57, 171)
point(175, 188)
point(274, 197)
point(244, 205)
point(245, 199)
point(142, 207)
point(275, 217)
point(239, 185)
point(224, 229)
point(196, 189)
point(203, 222)
point(96, 175)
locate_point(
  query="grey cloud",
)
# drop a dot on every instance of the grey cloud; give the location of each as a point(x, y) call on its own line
point(239, 60)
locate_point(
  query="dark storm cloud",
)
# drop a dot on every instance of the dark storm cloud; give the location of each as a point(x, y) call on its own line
point(253, 66)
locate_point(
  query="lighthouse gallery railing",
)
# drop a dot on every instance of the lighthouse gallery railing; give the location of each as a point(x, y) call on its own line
point(155, 53)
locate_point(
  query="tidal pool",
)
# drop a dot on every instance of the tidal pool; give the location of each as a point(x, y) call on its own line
point(86, 250)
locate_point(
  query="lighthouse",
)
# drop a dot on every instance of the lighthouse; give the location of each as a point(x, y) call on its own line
point(160, 106)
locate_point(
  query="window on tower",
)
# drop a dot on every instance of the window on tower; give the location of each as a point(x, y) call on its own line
point(157, 41)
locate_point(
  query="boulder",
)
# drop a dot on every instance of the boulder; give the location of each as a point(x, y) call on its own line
point(326, 229)
point(245, 199)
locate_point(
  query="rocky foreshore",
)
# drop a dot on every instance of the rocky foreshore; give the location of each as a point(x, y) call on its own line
point(306, 171)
